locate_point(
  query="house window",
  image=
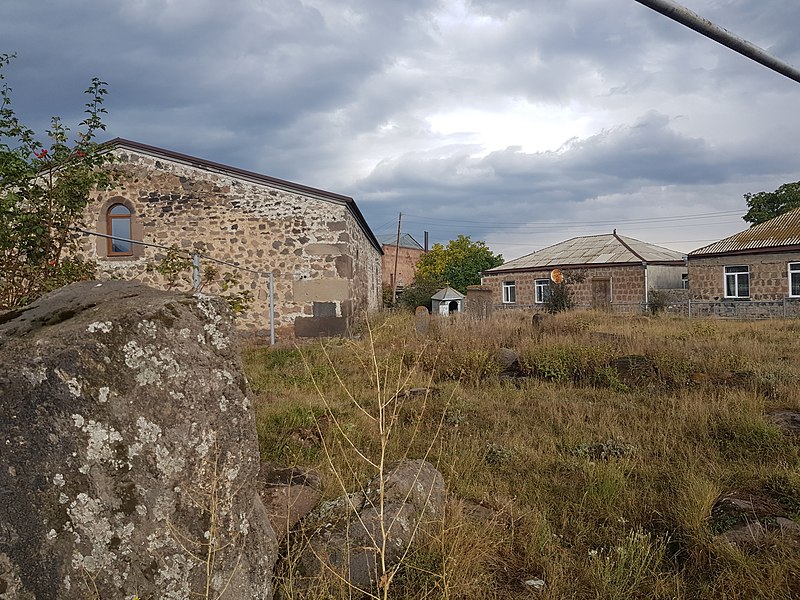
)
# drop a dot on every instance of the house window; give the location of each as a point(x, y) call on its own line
point(118, 225)
point(542, 291)
point(737, 282)
point(509, 292)
point(794, 279)
point(685, 281)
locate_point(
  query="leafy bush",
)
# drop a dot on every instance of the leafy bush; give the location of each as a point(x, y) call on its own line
point(43, 194)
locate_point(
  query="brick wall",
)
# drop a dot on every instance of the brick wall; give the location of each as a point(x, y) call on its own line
point(626, 282)
point(769, 279)
point(406, 264)
point(327, 273)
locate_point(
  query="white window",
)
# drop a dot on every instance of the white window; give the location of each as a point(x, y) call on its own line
point(542, 291)
point(737, 282)
point(794, 279)
point(509, 292)
point(685, 281)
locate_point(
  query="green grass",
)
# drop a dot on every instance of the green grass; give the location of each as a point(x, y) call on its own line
point(597, 481)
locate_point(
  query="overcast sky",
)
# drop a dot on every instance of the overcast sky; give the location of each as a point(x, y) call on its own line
point(518, 122)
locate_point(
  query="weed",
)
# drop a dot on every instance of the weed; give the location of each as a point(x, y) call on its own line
point(628, 568)
point(568, 461)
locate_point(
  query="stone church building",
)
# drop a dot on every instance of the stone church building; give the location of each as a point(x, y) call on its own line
point(325, 260)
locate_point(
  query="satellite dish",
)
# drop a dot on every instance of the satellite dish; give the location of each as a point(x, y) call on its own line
point(556, 276)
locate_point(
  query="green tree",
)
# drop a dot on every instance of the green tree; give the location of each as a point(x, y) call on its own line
point(458, 265)
point(764, 206)
point(419, 292)
point(44, 190)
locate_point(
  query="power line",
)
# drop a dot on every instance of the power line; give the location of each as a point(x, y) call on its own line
point(692, 20)
point(422, 219)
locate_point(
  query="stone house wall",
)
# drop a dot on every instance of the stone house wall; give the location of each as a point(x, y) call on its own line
point(769, 277)
point(626, 283)
point(327, 271)
point(406, 264)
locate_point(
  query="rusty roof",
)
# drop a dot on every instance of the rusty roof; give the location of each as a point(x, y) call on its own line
point(290, 186)
point(593, 250)
point(775, 234)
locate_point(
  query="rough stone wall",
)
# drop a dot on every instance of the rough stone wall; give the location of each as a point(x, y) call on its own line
point(326, 270)
point(769, 279)
point(479, 301)
point(406, 264)
point(627, 285)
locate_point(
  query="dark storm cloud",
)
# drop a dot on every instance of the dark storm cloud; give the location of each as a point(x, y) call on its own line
point(345, 95)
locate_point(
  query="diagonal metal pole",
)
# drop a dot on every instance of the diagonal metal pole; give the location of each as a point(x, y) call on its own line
point(692, 20)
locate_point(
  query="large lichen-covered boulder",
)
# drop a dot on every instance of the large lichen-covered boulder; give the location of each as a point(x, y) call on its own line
point(128, 450)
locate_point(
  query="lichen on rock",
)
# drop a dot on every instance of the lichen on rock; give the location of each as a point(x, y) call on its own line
point(126, 440)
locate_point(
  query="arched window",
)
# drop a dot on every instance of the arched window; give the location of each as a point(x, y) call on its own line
point(118, 225)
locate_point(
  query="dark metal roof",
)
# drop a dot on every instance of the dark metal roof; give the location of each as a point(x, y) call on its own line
point(780, 233)
point(593, 251)
point(406, 241)
point(251, 176)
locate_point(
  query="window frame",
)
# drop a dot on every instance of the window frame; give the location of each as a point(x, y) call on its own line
point(541, 285)
point(510, 292)
point(110, 218)
point(736, 275)
point(793, 268)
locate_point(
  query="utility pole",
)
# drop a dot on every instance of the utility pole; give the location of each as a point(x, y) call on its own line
point(396, 255)
point(692, 20)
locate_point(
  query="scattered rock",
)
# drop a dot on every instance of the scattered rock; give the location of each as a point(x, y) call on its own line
point(477, 511)
point(508, 361)
point(787, 421)
point(536, 584)
point(344, 535)
point(750, 518)
point(289, 494)
point(635, 370)
point(422, 320)
point(129, 449)
point(420, 391)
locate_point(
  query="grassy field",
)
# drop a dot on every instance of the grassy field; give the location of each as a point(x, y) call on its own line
point(595, 475)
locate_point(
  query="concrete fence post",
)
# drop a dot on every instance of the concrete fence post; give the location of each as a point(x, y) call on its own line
point(196, 271)
point(271, 309)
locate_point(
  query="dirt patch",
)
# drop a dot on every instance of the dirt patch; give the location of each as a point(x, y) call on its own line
point(787, 421)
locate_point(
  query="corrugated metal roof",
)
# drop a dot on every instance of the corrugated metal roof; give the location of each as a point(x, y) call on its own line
point(592, 250)
point(783, 230)
point(448, 293)
point(406, 241)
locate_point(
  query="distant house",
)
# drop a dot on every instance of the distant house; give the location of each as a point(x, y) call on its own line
point(408, 253)
point(759, 263)
point(615, 272)
point(325, 260)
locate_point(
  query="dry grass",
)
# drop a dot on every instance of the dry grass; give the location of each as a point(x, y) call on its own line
point(596, 481)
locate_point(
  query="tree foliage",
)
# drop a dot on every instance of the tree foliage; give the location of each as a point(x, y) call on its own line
point(764, 206)
point(457, 265)
point(420, 291)
point(44, 190)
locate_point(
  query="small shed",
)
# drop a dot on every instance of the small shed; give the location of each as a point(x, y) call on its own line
point(446, 301)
